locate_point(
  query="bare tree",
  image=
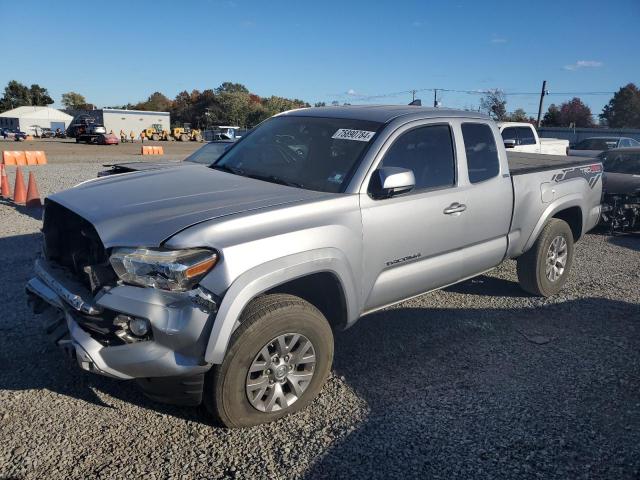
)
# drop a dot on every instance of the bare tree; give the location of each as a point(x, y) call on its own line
point(494, 103)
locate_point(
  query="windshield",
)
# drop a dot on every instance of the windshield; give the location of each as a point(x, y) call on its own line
point(209, 153)
point(306, 152)
point(596, 144)
point(622, 163)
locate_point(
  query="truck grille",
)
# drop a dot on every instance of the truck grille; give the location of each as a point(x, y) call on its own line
point(73, 243)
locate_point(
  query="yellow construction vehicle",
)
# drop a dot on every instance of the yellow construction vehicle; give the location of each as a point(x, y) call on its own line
point(156, 133)
point(186, 133)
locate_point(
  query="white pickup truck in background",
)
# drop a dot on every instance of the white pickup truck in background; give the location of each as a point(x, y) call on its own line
point(523, 137)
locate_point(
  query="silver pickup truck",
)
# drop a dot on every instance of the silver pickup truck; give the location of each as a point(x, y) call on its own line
point(223, 284)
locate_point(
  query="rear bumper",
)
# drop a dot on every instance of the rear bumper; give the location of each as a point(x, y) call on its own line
point(180, 326)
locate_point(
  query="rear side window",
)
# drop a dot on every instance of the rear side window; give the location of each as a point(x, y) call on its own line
point(510, 133)
point(526, 136)
point(428, 152)
point(482, 153)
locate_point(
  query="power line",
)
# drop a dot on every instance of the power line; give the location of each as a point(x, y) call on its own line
point(471, 92)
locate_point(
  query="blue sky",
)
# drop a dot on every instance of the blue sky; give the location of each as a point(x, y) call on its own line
point(117, 52)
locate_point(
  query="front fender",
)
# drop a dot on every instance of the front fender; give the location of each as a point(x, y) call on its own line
point(269, 275)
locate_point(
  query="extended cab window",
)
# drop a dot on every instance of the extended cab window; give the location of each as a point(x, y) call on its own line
point(428, 152)
point(482, 153)
point(526, 136)
point(510, 133)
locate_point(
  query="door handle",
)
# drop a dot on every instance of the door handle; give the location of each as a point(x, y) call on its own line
point(455, 208)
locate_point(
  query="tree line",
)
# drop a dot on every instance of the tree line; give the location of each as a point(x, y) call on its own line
point(228, 104)
point(233, 104)
point(622, 111)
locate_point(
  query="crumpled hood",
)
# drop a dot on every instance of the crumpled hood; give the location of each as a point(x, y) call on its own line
point(146, 208)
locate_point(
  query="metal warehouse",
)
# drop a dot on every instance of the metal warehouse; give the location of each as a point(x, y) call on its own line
point(32, 120)
point(115, 119)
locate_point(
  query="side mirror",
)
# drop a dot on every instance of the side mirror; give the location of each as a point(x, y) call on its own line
point(389, 181)
point(509, 143)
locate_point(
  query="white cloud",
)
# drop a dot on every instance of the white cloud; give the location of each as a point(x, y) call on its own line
point(495, 39)
point(352, 92)
point(417, 24)
point(583, 64)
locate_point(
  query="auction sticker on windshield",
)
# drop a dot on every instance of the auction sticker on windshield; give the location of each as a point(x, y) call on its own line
point(348, 134)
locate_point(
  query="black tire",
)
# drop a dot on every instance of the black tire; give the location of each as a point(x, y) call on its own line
point(531, 266)
point(266, 318)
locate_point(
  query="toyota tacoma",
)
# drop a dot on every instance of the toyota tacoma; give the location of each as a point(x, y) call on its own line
point(224, 284)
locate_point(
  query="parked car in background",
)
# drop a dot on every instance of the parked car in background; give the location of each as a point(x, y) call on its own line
point(107, 139)
point(14, 134)
point(523, 137)
point(621, 188)
point(224, 285)
point(594, 146)
point(46, 133)
point(205, 155)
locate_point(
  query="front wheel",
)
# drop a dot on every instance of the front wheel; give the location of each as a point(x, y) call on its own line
point(276, 364)
point(544, 268)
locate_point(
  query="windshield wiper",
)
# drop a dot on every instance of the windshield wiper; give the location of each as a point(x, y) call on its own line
point(257, 176)
point(228, 169)
point(275, 179)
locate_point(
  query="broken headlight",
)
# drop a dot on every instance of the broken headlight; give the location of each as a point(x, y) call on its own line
point(176, 270)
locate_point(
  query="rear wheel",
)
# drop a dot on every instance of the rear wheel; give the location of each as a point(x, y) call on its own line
point(184, 137)
point(155, 137)
point(276, 364)
point(544, 268)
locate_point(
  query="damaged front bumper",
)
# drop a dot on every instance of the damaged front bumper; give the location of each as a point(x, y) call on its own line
point(168, 362)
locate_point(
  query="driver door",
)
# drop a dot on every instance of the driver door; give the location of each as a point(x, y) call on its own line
point(412, 241)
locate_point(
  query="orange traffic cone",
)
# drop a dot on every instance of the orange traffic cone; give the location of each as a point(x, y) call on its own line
point(19, 192)
point(33, 196)
point(6, 189)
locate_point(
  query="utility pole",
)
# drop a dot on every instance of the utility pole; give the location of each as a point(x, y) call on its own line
point(435, 98)
point(413, 95)
point(542, 94)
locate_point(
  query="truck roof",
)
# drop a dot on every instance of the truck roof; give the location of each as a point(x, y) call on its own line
point(382, 113)
point(513, 124)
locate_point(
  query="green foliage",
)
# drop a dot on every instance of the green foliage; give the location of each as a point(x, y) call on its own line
point(74, 100)
point(230, 87)
point(39, 96)
point(156, 102)
point(15, 95)
point(552, 117)
point(623, 110)
point(228, 104)
point(18, 95)
point(518, 115)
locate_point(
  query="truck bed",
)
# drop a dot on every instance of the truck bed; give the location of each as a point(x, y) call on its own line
point(520, 162)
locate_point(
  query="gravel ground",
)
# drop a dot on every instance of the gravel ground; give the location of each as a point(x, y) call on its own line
point(477, 381)
point(68, 151)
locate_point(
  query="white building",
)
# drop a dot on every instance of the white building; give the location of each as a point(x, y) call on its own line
point(32, 119)
point(115, 119)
